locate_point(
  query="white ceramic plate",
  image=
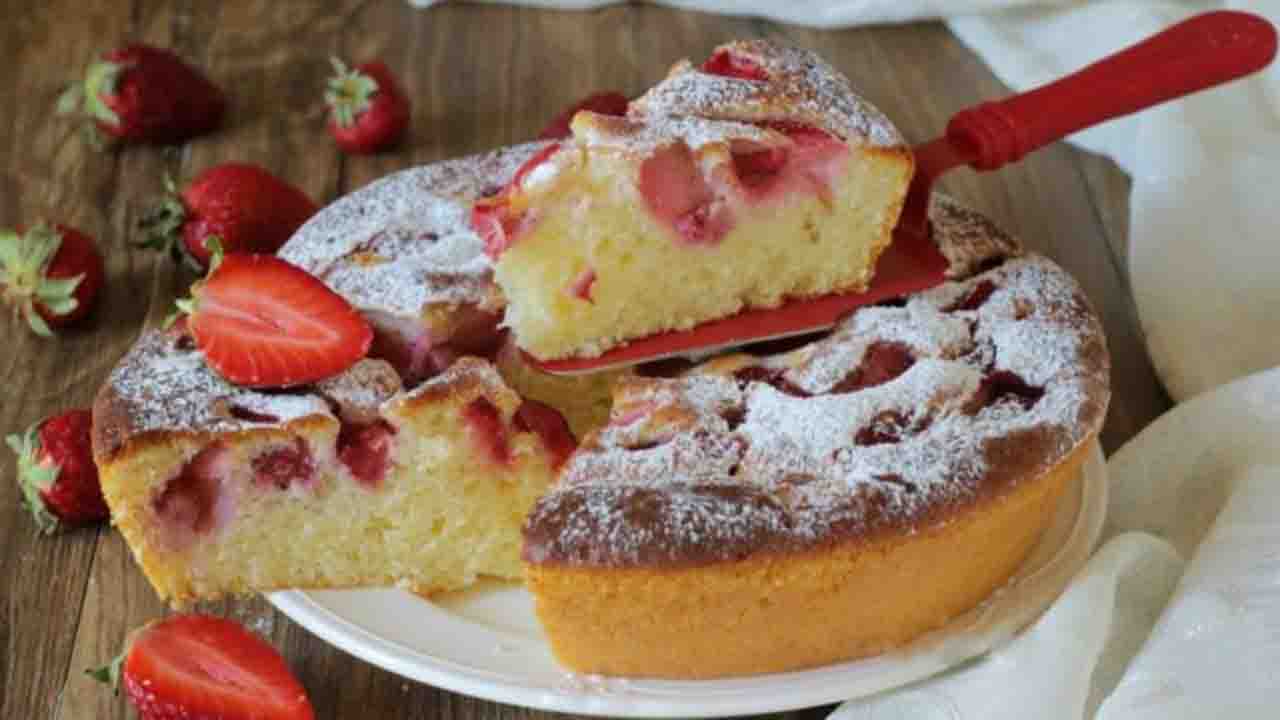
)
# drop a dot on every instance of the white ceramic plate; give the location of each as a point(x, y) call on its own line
point(486, 642)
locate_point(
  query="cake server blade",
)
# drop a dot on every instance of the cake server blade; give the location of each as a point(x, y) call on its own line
point(1199, 53)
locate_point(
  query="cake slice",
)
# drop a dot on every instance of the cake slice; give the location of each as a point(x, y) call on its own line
point(353, 482)
point(757, 177)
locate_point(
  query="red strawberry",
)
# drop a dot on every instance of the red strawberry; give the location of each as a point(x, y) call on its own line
point(247, 208)
point(367, 109)
point(199, 667)
point(262, 322)
point(605, 103)
point(51, 275)
point(494, 219)
point(726, 63)
point(550, 426)
point(484, 423)
point(56, 472)
point(145, 94)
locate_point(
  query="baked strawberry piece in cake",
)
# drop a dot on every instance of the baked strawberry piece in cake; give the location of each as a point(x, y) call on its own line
point(754, 178)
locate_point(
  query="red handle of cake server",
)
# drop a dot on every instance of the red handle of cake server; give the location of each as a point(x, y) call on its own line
point(1196, 54)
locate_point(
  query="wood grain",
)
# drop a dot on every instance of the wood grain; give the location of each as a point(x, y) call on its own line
point(479, 76)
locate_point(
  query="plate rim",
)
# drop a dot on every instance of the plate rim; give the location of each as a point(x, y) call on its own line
point(590, 695)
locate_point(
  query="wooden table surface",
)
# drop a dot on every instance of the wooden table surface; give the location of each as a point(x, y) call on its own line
point(479, 76)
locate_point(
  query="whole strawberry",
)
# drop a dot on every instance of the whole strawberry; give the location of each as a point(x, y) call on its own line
point(246, 208)
point(56, 473)
point(367, 110)
point(51, 275)
point(144, 94)
point(200, 667)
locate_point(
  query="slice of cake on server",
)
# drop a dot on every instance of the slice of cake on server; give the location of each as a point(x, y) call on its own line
point(757, 177)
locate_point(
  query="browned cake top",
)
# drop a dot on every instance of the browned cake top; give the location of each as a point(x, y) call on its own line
point(798, 86)
point(903, 414)
point(162, 388)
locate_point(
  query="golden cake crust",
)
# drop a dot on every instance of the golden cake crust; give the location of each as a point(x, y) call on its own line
point(776, 612)
point(769, 513)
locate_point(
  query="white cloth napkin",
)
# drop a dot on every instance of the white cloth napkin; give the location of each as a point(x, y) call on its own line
point(1177, 615)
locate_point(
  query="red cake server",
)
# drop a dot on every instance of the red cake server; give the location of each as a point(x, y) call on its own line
point(1196, 54)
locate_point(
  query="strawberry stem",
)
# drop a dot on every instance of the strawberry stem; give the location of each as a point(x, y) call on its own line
point(349, 93)
point(108, 674)
point(101, 80)
point(161, 225)
point(34, 477)
point(187, 305)
point(24, 265)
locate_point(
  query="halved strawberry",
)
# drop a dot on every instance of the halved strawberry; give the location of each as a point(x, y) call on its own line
point(262, 322)
point(728, 64)
point(203, 667)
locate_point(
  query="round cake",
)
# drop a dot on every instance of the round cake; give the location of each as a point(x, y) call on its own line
point(786, 506)
point(764, 513)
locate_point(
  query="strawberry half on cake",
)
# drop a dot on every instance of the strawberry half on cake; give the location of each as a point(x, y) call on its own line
point(757, 177)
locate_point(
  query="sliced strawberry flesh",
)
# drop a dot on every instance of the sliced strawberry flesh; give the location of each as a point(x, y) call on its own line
point(494, 219)
point(488, 432)
point(1005, 386)
point(262, 322)
point(281, 467)
point(729, 64)
point(580, 287)
point(757, 169)
point(774, 377)
point(810, 165)
point(366, 451)
point(603, 103)
point(882, 362)
point(550, 427)
point(976, 297)
point(537, 159)
point(205, 667)
point(190, 502)
point(676, 192)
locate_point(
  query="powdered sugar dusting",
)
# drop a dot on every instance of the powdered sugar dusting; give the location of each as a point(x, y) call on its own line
point(658, 131)
point(163, 385)
point(714, 467)
point(801, 87)
point(405, 242)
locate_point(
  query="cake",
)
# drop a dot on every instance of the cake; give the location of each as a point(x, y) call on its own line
point(771, 513)
point(415, 468)
point(756, 177)
point(353, 482)
point(798, 503)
